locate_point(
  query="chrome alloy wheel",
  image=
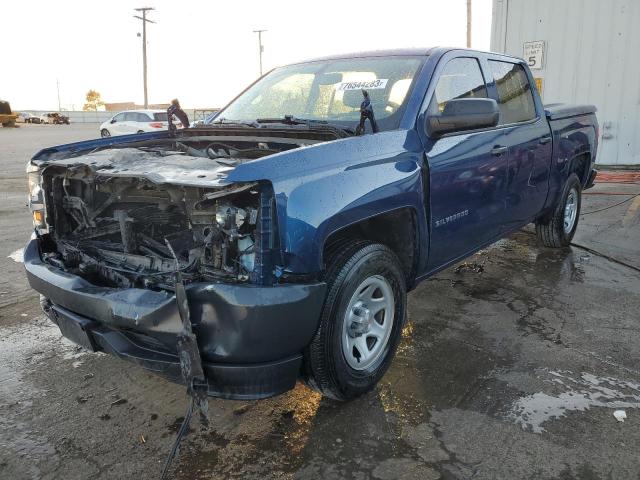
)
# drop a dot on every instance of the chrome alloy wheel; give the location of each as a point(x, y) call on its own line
point(368, 323)
point(570, 211)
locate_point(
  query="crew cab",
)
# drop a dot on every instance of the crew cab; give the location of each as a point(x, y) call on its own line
point(278, 242)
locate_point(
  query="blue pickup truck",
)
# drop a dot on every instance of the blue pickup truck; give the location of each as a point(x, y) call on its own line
point(278, 241)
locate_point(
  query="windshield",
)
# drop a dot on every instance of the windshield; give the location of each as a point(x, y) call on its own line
point(330, 91)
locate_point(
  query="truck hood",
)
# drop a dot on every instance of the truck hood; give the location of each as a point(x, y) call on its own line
point(160, 167)
point(182, 158)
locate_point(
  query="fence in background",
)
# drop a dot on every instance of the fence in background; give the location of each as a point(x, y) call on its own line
point(99, 117)
point(78, 116)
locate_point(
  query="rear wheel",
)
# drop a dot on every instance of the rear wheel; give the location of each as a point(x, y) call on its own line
point(557, 230)
point(105, 133)
point(361, 321)
point(140, 131)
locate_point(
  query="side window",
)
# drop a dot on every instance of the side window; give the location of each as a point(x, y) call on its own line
point(119, 117)
point(460, 78)
point(514, 93)
point(130, 117)
point(142, 118)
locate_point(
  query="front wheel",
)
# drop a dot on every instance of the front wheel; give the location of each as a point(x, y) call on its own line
point(361, 321)
point(105, 133)
point(557, 230)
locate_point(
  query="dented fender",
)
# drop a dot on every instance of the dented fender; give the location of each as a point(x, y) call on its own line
point(323, 188)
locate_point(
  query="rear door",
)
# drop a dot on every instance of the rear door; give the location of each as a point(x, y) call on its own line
point(130, 124)
point(526, 132)
point(142, 122)
point(467, 171)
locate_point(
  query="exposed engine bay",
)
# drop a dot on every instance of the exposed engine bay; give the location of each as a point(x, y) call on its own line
point(134, 216)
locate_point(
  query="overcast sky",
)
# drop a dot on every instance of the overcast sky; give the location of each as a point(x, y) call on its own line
point(203, 52)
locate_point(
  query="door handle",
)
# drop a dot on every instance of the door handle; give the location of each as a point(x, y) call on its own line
point(545, 140)
point(498, 150)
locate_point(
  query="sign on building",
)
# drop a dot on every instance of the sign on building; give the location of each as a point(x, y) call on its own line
point(534, 54)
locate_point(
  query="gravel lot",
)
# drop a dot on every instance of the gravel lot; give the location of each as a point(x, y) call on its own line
point(511, 367)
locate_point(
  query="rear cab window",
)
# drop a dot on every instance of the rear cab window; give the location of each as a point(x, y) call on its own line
point(515, 99)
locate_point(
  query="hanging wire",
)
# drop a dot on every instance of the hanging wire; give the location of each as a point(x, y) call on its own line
point(611, 206)
point(184, 428)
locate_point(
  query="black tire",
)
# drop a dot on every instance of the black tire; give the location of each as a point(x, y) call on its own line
point(104, 133)
point(325, 367)
point(140, 131)
point(551, 230)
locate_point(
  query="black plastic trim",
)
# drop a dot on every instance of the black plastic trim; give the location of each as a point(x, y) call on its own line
point(240, 382)
point(592, 179)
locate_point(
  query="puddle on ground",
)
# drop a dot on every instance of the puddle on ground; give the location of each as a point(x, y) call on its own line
point(17, 256)
point(580, 394)
point(23, 347)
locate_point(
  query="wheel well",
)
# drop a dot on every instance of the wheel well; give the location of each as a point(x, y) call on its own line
point(396, 229)
point(580, 166)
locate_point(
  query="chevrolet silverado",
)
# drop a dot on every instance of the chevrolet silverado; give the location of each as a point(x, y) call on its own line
point(279, 240)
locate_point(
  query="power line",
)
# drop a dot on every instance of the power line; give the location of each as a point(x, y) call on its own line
point(260, 46)
point(144, 19)
point(58, 88)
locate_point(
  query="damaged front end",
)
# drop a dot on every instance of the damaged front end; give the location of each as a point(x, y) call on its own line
point(136, 244)
point(123, 231)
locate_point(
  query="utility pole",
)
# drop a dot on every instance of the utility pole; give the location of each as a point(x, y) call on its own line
point(144, 19)
point(58, 87)
point(261, 48)
point(468, 23)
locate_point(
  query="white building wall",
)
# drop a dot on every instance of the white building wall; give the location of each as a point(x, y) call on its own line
point(592, 55)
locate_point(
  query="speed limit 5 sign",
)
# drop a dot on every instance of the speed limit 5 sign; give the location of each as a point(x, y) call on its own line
point(534, 54)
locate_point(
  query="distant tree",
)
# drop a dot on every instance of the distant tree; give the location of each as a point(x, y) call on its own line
point(94, 100)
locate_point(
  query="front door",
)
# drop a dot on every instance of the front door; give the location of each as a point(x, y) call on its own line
point(117, 123)
point(467, 173)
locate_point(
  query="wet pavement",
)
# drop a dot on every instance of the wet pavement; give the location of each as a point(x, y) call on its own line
point(511, 366)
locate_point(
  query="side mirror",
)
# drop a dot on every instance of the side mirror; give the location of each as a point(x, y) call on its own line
point(464, 114)
point(113, 120)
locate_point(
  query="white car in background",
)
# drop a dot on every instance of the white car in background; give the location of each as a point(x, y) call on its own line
point(136, 121)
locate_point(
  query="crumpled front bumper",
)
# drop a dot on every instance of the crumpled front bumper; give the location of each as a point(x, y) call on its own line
point(250, 337)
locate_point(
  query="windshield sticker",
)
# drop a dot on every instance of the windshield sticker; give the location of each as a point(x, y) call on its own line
point(379, 83)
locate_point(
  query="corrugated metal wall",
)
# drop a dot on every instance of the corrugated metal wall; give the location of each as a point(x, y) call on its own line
point(592, 55)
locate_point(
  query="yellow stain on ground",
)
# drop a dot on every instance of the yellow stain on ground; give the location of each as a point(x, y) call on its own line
point(632, 213)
